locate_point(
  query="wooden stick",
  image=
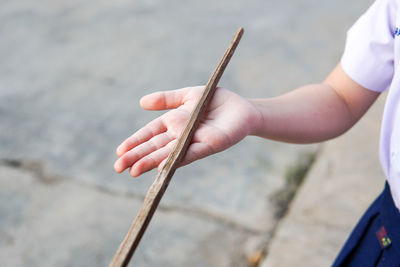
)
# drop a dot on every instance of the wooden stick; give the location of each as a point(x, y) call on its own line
point(157, 189)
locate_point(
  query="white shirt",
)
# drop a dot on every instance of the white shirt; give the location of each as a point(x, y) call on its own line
point(371, 58)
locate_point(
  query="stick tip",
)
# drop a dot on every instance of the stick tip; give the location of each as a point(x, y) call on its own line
point(239, 33)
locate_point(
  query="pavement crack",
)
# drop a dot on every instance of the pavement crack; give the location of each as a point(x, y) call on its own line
point(294, 177)
point(187, 211)
point(211, 216)
point(39, 170)
point(111, 191)
point(36, 167)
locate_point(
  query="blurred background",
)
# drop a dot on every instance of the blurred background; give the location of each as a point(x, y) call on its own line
point(71, 76)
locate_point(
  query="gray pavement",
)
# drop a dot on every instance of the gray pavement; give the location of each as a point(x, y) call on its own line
point(71, 76)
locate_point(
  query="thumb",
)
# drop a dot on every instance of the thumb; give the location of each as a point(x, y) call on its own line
point(165, 99)
point(170, 99)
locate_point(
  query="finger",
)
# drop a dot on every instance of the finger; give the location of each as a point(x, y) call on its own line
point(152, 160)
point(161, 165)
point(132, 156)
point(195, 152)
point(166, 99)
point(152, 129)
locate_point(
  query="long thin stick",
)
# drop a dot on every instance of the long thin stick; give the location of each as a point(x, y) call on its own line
point(157, 189)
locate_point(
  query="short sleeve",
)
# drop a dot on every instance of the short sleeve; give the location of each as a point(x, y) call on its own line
point(369, 51)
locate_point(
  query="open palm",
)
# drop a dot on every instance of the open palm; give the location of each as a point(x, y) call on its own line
point(228, 120)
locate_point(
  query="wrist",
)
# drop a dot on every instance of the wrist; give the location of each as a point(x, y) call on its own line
point(256, 120)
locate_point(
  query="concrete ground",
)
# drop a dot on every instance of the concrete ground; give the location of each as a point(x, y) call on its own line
point(71, 76)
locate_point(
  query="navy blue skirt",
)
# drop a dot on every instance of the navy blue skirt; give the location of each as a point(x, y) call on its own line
point(375, 241)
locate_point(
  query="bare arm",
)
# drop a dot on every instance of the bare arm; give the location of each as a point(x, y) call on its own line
point(314, 113)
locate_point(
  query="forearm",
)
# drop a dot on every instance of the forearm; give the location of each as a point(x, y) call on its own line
point(312, 113)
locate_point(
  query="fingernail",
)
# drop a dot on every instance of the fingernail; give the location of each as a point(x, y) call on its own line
point(132, 173)
point(118, 151)
point(117, 167)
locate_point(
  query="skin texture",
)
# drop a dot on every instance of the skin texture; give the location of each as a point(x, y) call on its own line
point(309, 114)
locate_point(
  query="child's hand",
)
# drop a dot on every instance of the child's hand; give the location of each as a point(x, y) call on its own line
point(229, 118)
